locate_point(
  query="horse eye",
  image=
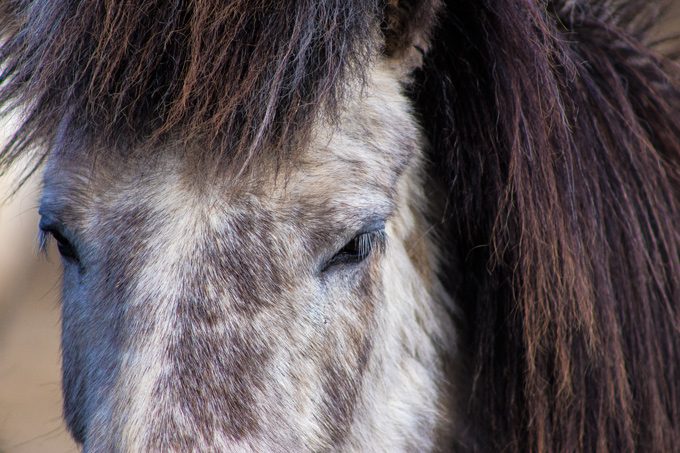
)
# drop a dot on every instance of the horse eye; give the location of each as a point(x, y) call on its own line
point(66, 249)
point(357, 249)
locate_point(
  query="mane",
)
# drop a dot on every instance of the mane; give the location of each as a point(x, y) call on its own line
point(236, 77)
point(556, 132)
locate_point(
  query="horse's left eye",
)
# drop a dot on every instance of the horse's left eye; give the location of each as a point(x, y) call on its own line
point(357, 249)
point(65, 247)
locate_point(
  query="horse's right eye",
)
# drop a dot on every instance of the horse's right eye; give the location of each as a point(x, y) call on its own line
point(65, 247)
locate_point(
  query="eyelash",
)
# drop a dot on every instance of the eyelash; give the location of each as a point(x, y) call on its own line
point(358, 249)
point(66, 249)
point(43, 241)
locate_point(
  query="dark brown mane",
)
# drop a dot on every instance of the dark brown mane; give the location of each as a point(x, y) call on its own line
point(559, 135)
point(236, 76)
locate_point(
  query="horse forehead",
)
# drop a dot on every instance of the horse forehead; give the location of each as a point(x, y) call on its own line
point(321, 186)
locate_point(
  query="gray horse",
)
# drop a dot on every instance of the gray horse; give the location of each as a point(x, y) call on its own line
point(356, 225)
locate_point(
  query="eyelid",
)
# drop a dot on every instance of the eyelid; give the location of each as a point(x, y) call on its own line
point(376, 237)
point(55, 229)
point(46, 227)
point(47, 224)
point(371, 227)
point(368, 226)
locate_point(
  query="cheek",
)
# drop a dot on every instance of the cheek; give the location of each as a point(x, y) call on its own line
point(344, 306)
point(73, 351)
point(341, 319)
point(90, 351)
point(356, 321)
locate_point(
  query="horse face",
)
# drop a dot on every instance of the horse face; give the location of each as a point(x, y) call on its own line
point(290, 307)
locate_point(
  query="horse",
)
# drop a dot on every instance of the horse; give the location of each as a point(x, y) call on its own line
point(356, 225)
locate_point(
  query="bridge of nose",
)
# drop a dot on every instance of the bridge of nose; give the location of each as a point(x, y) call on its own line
point(203, 285)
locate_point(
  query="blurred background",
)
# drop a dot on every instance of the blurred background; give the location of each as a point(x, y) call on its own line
point(30, 392)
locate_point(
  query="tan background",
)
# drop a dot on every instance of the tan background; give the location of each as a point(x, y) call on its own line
point(30, 395)
point(30, 398)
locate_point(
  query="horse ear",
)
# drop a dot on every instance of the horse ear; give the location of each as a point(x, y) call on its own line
point(407, 25)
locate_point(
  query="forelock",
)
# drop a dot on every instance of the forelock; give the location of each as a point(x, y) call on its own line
point(234, 77)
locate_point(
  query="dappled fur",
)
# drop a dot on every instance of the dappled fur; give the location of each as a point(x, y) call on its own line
point(555, 140)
